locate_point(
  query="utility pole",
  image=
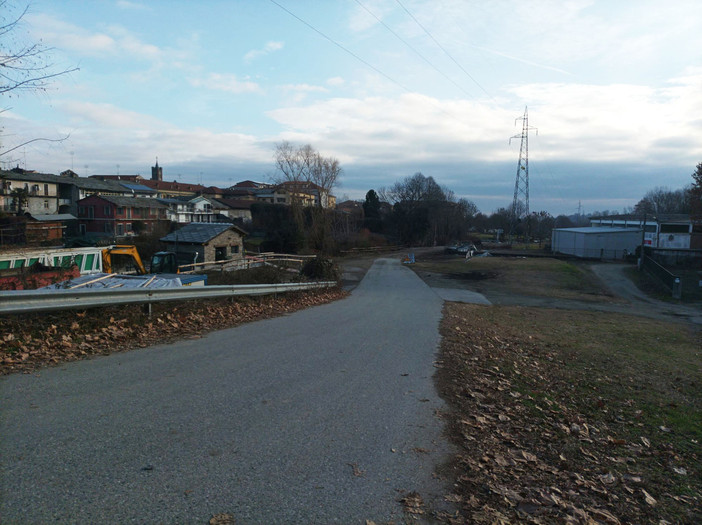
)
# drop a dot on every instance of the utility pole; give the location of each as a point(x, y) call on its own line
point(520, 204)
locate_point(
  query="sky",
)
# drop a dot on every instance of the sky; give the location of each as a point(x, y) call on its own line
point(613, 90)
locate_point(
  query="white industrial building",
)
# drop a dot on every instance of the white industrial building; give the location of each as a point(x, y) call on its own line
point(596, 242)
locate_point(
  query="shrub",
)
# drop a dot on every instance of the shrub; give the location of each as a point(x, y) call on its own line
point(321, 268)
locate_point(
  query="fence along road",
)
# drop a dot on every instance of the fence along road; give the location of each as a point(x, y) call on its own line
point(26, 301)
point(326, 415)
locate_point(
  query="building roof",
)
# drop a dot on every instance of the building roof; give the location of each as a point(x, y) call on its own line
point(237, 204)
point(128, 178)
point(54, 217)
point(129, 202)
point(200, 232)
point(662, 217)
point(137, 187)
point(172, 186)
point(598, 230)
point(30, 176)
point(249, 184)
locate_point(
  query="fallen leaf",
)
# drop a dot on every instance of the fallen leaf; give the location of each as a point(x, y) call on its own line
point(413, 503)
point(608, 478)
point(222, 519)
point(356, 471)
point(649, 499)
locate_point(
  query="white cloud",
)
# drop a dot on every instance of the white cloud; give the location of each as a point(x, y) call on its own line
point(270, 47)
point(335, 81)
point(229, 83)
point(114, 41)
point(611, 123)
point(124, 4)
point(107, 117)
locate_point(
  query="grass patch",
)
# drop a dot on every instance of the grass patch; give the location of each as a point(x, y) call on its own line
point(537, 276)
point(573, 415)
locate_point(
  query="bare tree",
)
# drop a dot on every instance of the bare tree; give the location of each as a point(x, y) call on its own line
point(664, 200)
point(303, 170)
point(306, 169)
point(24, 66)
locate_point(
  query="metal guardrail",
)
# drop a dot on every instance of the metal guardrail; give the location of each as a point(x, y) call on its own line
point(27, 301)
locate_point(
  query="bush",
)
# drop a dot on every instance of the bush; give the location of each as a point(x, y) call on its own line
point(260, 275)
point(322, 269)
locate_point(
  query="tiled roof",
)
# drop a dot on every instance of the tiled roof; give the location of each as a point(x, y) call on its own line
point(199, 232)
point(237, 204)
point(172, 186)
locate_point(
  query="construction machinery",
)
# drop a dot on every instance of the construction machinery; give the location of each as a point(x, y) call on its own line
point(118, 258)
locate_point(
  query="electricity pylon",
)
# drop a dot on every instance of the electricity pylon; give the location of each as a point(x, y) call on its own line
point(520, 204)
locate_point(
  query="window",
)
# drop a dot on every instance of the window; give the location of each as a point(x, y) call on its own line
point(281, 200)
point(129, 214)
point(46, 189)
point(108, 227)
point(129, 226)
point(235, 248)
point(81, 210)
point(120, 211)
point(675, 228)
point(120, 229)
point(46, 205)
point(106, 210)
point(91, 211)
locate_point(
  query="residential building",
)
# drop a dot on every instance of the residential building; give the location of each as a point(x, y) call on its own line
point(239, 210)
point(40, 190)
point(117, 216)
point(195, 209)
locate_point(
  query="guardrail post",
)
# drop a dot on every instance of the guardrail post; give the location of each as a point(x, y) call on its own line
point(677, 288)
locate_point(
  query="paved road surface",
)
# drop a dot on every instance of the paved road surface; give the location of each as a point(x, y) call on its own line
point(323, 416)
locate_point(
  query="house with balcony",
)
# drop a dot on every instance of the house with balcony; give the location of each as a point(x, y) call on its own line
point(183, 210)
point(37, 195)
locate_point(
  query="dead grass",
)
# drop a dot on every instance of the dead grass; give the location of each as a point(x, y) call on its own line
point(563, 415)
point(537, 276)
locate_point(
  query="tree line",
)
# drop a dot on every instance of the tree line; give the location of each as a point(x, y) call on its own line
point(416, 211)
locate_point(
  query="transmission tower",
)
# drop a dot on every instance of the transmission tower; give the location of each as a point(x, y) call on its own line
point(520, 204)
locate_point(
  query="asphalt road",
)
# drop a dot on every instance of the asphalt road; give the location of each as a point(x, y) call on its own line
point(327, 415)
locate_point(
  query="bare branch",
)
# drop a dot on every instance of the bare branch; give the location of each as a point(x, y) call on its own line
point(30, 141)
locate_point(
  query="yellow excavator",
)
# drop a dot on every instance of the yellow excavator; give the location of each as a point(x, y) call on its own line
point(125, 258)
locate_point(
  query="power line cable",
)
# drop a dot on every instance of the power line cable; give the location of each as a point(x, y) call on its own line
point(385, 75)
point(337, 44)
point(414, 50)
point(443, 49)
